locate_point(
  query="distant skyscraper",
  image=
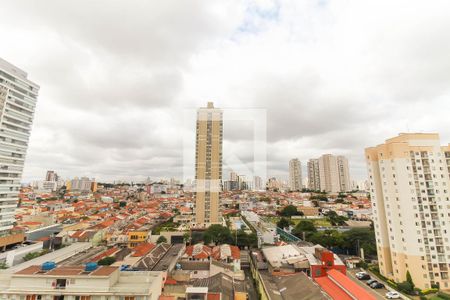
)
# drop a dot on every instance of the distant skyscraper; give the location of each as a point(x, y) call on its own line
point(295, 174)
point(208, 167)
point(409, 177)
point(51, 176)
point(344, 173)
point(329, 174)
point(233, 176)
point(18, 98)
point(257, 183)
point(313, 175)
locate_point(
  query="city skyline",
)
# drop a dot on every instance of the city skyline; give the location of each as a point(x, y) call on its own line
point(241, 55)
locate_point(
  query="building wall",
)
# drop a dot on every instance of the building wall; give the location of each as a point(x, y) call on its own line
point(409, 187)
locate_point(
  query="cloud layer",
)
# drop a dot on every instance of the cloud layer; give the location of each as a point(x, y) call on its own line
point(116, 78)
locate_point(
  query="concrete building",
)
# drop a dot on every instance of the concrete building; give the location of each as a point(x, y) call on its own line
point(208, 165)
point(257, 183)
point(295, 174)
point(313, 175)
point(329, 175)
point(409, 188)
point(83, 184)
point(51, 176)
point(344, 173)
point(79, 282)
point(18, 97)
point(334, 174)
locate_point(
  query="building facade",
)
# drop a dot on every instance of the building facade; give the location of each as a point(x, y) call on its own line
point(313, 175)
point(208, 165)
point(295, 174)
point(344, 173)
point(18, 97)
point(409, 188)
point(329, 174)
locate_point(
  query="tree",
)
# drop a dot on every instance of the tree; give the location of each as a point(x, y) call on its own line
point(304, 226)
point(335, 219)
point(217, 234)
point(109, 260)
point(246, 240)
point(3, 265)
point(364, 237)
point(122, 203)
point(283, 223)
point(186, 237)
point(409, 279)
point(327, 238)
point(289, 211)
point(161, 239)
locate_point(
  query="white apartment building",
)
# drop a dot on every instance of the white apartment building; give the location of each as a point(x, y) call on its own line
point(78, 283)
point(18, 97)
point(409, 188)
point(295, 174)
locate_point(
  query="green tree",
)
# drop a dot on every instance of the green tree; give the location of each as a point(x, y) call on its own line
point(289, 211)
point(364, 237)
point(122, 203)
point(3, 265)
point(107, 261)
point(304, 226)
point(335, 219)
point(283, 223)
point(409, 279)
point(327, 238)
point(217, 234)
point(161, 239)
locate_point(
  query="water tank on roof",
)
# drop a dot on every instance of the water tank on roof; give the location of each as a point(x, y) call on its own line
point(90, 266)
point(48, 265)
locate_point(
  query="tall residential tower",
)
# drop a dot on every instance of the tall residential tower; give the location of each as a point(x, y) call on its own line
point(313, 175)
point(18, 97)
point(295, 174)
point(409, 189)
point(208, 165)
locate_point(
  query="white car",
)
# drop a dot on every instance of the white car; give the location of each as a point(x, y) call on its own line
point(392, 295)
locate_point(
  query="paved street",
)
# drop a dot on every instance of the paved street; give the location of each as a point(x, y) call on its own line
point(378, 293)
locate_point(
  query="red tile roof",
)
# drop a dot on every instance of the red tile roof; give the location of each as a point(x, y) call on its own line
point(105, 253)
point(143, 249)
point(340, 287)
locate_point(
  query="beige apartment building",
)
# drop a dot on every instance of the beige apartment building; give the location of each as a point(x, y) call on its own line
point(409, 188)
point(295, 174)
point(329, 174)
point(208, 165)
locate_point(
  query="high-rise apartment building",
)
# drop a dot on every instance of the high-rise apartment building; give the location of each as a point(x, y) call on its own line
point(344, 173)
point(313, 175)
point(257, 183)
point(409, 189)
point(18, 97)
point(51, 176)
point(208, 165)
point(329, 174)
point(295, 174)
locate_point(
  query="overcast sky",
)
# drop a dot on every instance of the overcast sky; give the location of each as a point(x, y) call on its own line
point(117, 77)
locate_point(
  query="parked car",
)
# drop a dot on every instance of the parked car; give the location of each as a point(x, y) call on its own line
point(364, 276)
point(377, 285)
point(369, 282)
point(392, 295)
